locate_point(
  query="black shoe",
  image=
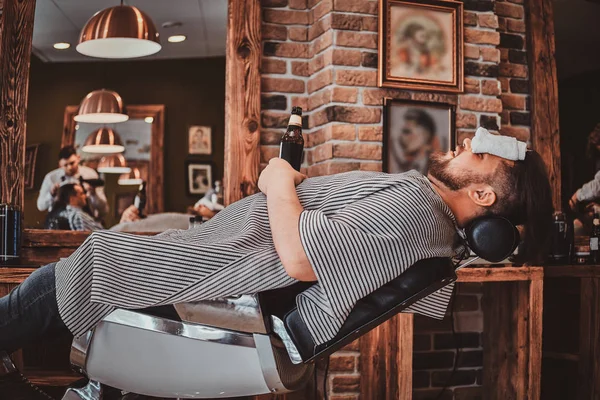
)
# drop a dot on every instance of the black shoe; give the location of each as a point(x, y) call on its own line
point(14, 386)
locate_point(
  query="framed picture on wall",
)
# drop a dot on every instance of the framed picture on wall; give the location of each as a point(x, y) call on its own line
point(421, 45)
point(200, 140)
point(30, 161)
point(412, 130)
point(199, 178)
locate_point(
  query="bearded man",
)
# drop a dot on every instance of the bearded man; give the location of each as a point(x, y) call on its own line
point(350, 233)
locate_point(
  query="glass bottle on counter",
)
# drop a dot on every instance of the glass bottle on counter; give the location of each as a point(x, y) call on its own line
point(561, 239)
point(594, 238)
point(291, 146)
point(140, 200)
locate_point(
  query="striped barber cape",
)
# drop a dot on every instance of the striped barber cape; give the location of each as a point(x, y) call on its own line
point(359, 230)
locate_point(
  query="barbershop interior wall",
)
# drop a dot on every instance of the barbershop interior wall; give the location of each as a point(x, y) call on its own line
point(192, 90)
point(579, 103)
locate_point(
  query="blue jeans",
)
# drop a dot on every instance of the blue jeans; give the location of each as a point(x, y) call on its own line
point(29, 312)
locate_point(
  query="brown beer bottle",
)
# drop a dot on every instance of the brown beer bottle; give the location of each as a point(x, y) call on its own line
point(292, 142)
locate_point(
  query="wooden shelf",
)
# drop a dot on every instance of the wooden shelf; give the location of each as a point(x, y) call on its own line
point(51, 378)
point(573, 271)
point(500, 274)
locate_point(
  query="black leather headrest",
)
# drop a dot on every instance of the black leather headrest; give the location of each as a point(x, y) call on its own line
point(492, 238)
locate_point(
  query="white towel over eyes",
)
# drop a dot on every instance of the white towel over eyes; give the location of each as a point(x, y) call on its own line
point(502, 146)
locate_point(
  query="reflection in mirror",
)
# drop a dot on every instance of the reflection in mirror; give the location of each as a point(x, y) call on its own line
point(183, 85)
point(137, 158)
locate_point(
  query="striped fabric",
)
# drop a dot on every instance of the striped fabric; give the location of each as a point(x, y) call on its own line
point(79, 220)
point(359, 231)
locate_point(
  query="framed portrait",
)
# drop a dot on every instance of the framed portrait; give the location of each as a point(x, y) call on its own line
point(30, 161)
point(421, 45)
point(200, 140)
point(412, 130)
point(199, 178)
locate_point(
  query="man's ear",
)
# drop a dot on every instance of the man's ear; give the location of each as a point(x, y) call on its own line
point(482, 195)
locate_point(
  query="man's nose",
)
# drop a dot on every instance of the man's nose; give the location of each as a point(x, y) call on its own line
point(467, 144)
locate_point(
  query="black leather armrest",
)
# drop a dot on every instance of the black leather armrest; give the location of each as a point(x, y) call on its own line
point(420, 280)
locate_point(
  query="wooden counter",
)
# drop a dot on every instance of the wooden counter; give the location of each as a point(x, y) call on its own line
point(588, 356)
point(512, 348)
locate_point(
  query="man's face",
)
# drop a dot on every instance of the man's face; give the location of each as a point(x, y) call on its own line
point(413, 137)
point(69, 165)
point(460, 168)
point(420, 36)
point(79, 199)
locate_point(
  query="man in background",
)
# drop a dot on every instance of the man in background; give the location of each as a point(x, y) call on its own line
point(70, 210)
point(69, 171)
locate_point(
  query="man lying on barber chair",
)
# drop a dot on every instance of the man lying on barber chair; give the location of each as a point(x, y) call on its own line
point(351, 233)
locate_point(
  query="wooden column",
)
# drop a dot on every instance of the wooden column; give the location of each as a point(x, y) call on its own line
point(513, 335)
point(588, 381)
point(16, 33)
point(386, 360)
point(242, 99)
point(544, 91)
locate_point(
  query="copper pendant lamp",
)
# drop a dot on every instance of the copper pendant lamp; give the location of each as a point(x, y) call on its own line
point(103, 140)
point(132, 178)
point(113, 164)
point(119, 32)
point(101, 106)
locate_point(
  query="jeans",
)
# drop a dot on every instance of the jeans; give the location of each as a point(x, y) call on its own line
point(30, 312)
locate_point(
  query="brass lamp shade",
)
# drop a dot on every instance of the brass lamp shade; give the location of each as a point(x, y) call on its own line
point(119, 32)
point(103, 140)
point(113, 164)
point(132, 178)
point(101, 106)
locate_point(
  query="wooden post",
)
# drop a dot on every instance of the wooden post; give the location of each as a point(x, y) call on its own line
point(544, 91)
point(242, 99)
point(16, 33)
point(535, 323)
point(513, 334)
point(588, 381)
point(386, 360)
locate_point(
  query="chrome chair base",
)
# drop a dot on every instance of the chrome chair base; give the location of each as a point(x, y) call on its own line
point(92, 391)
point(6, 364)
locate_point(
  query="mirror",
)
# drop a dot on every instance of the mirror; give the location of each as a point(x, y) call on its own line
point(142, 136)
point(181, 89)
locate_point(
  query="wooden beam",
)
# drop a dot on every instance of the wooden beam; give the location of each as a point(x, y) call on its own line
point(572, 271)
point(13, 276)
point(242, 99)
point(544, 91)
point(386, 360)
point(16, 33)
point(513, 340)
point(536, 308)
point(500, 274)
point(588, 380)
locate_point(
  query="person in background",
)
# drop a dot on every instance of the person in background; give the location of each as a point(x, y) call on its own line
point(70, 206)
point(590, 191)
point(69, 171)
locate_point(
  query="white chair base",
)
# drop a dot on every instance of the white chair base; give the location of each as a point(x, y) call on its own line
point(159, 357)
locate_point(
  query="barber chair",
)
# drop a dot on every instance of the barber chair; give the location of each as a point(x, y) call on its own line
point(250, 344)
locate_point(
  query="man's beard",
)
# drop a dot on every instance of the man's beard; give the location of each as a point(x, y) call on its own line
point(439, 169)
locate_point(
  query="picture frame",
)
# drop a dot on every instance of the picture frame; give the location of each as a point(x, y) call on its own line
point(31, 152)
point(412, 130)
point(200, 139)
point(199, 177)
point(421, 45)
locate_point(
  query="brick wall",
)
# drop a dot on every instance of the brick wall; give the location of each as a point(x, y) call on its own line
point(322, 56)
